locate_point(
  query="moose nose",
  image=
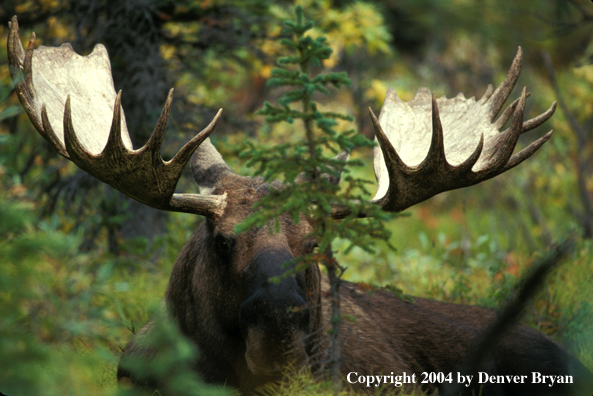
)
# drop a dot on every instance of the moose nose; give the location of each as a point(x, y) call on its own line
point(274, 304)
point(274, 316)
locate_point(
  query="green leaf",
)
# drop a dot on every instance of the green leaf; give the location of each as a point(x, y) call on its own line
point(9, 112)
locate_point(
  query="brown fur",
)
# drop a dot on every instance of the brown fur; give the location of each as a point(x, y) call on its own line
point(206, 293)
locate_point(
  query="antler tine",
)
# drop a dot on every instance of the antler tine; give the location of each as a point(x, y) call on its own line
point(28, 66)
point(156, 138)
point(504, 89)
point(507, 141)
point(506, 114)
point(487, 94)
point(522, 155)
point(115, 149)
point(16, 52)
point(540, 119)
point(435, 159)
point(20, 63)
point(184, 154)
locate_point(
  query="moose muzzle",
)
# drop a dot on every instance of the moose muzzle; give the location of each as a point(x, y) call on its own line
point(275, 317)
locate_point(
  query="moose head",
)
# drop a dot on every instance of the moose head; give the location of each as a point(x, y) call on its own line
point(248, 329)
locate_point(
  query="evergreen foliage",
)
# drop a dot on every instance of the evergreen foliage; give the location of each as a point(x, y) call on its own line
point(171, 360)
point(312, 194)
point(307, 171)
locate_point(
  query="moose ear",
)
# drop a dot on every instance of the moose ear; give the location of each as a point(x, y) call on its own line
point(208, 167)
point(333, 176)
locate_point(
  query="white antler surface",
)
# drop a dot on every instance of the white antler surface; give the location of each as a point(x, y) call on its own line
point(408, 126)
point(59, 72)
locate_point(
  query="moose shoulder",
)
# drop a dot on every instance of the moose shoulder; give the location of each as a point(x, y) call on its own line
point(249, 330)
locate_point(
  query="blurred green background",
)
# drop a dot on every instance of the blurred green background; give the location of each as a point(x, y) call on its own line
point(82, 267)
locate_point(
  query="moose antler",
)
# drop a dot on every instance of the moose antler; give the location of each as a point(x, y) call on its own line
point(428, 145)
point(62, 91)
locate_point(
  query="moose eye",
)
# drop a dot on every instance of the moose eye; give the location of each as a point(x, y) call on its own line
point(222, 245)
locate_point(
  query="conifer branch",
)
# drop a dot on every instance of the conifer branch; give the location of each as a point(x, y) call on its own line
point(306, 160)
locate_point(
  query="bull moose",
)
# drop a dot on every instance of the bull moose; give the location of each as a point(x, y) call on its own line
point(249, 330)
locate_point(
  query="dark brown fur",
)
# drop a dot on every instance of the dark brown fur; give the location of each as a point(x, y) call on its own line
point(205, 296)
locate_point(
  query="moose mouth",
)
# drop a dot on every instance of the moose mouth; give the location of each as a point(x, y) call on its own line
point(274, 317)
point(273, 356)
